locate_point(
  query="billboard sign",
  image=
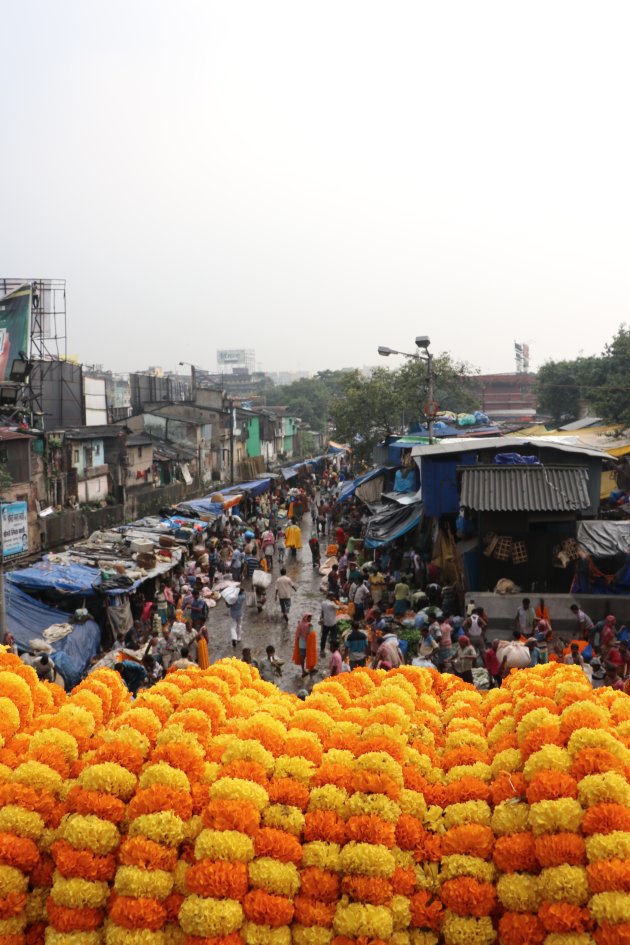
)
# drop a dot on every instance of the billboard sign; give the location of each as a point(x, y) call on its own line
point(15, 328)
point(232, 356)
point(14, 529)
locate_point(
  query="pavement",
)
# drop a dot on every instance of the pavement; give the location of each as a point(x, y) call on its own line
point(259, 630)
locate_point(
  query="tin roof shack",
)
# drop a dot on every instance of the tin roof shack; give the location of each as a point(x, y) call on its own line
point(515, 519)
point(138, 460)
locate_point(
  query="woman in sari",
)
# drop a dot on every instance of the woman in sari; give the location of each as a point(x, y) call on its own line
point(305, 645)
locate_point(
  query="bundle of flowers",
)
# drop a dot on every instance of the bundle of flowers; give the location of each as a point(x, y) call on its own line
point(402, 808)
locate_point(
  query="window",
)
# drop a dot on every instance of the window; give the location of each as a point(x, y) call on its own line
point(75, 457)
point(139, 452)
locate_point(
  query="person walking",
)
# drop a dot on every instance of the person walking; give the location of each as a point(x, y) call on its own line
point(584, 623)
point(305, 645)
point(284, 589)
point(236, 613)
point(268, 545)
point(525, 618)
point(293, 538)
point(328, 621)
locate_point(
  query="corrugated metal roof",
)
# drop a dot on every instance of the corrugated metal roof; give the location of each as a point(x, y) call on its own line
point(525, 488)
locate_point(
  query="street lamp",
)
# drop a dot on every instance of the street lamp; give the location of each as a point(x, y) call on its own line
point(422, 343)
point(193, 376)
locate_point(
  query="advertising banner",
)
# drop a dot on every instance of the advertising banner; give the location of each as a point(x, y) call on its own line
point(15, 328)
point(14, 529)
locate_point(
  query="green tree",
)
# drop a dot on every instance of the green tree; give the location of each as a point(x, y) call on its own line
point(563, 386)
point(309, 397)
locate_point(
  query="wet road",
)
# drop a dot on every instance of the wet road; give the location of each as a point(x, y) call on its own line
point(259, 630)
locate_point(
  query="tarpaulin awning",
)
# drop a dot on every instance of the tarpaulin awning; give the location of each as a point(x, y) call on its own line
point(392, 523)
point(406, 442)
point(525, 488)
point(348, 489)
point(64, 578)
point(254, 487)
point(338, 447)
point(604, 539)
point(27, 618)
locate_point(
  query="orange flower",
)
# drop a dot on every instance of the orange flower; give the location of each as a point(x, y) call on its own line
point(515, 853)
point(137, 913)
point(433, 793)
point(288, 791)
point(53, 757)
point(12, 905)
point(299, 746)
point(319, 884)
point(467, 896)
point(313, 911)
point(368, 828)
point(247, 770)
point(147, 854)
point(604, 818)
point(234, 938)
point(594, 761)
point(508, 740)
point(182, 756)
point(557, 849)
point(18, 852)
point(612, 934)
point(361, 940)
point(36, 934)
point(73, 920)
point(278, 844)
point(82, 863)
point(121, 754)
point(231, 815)
point(218, 879)
point(43, 871)
point(172, 905)
point(158, 798)
point(527, 705)
point(379, 744)
point(426, 912)
point(518, 928)
point(469, 839)
point(102, 805)
point(368, 782)
point(373, 890)
point(403, 881)
point(266, 909)
point(467, 755)
point(545, 735)
point(564, 917)
point(29, 798)
point(339, 775)
point(507, 786)
point(551, 786)
point(609, 876)
point(466, 789)
point(199, 794)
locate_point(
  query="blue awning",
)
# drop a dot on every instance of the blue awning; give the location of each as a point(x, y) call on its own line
point(348, 489)
point(63, 578)
point(254, 487)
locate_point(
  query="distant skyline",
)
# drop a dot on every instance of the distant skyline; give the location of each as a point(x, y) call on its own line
point(315, 180)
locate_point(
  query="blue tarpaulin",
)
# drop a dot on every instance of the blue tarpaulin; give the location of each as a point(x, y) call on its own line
point(27, 618)
point(392, 523)
point(348, 489)
point(63, 578)
point(254, 487)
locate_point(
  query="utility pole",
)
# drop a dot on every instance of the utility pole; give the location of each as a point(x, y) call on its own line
point(232, 413)
point(3, 609)
point(430, 395)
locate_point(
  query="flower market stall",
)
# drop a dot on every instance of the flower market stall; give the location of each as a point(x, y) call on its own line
point(402, 808)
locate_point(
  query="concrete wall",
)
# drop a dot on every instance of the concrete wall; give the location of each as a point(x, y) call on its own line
point(501, 608)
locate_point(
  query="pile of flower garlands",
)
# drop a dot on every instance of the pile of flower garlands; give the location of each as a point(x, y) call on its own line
point(402, 808)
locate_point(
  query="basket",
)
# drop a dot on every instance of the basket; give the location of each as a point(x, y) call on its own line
point(519, 552)
point(503, 548)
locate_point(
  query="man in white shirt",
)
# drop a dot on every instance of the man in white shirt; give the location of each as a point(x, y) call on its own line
point(284, 588)
point(328, 621)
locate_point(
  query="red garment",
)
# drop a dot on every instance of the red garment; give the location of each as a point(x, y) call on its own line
point(340, 535)
point(614, 656)
point(492, 662)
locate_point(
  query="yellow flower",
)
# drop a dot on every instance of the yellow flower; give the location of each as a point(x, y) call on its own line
point(569, 938)
point(427, 876)
point(418, 937)
point(265, 934)
point(565, 814)
point(46, 839)
point(88, 832)
point(610, 846)
point(163, 827)
point(411, 802)
point(607, 787)
point(519, 892)
point(284, 817)
point(12, 881)
point(595, 738)
point(468, 812)
point(64, 741)
point(299, 768)
point(248, 750)
point(403, 858)
point(116, 935)
point(313, 935)
point(210, 917)
point(230, 845)
point(548, 758)
point(498, 731)
point(401, 912)
point(24, 823)
point(133, 881)
point(367, 859)
point(165, 775)
point(125, 734)
point(38, 776)
point(282, 879)
point(461, 737)
point(36, 905)
point(329, 797)
point(237, 789)
point(193, 827)
point(14, 926)
point(53, 937)
point(459, 930)
point(564, 884)
point(108, 777)
point(77, 893)
point(322, 854)
point(535, 719)
point(381, 763)
point(458, 864)
point(356, 920)
point(211, 771)
point(338, 756)
point(377, 804)
point(610, 907)
point(510, 759)
point(433, 820)
point(509, 817)
point(478, 770)
point(173, 934)
point(179, 877)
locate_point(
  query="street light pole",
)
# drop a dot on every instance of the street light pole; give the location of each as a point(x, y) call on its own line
point(430, 395)
point(422, 341)
point(3, 609)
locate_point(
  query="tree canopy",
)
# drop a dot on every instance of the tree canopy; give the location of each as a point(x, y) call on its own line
point(368, 408)
point(309, 397)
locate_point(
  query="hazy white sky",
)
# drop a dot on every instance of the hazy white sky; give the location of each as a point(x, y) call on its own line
point(313, 179)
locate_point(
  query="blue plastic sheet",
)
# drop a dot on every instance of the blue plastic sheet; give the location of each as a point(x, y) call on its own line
point(62, 578)
point(254, 487)
point(390, 524)
point(348, 489)
point(27, 618)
